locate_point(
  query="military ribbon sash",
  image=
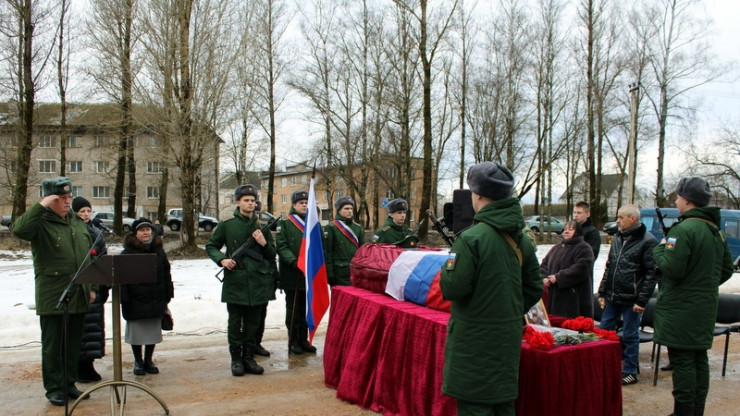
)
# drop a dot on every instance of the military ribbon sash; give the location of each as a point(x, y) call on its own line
point(297, 221)
point(344, 228)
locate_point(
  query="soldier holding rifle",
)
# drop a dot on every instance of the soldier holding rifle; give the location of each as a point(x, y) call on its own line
point(249, 282)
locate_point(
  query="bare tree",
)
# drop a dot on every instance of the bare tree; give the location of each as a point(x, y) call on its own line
point(62, 64)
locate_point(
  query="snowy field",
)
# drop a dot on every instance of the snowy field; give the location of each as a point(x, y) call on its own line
point(196, 308)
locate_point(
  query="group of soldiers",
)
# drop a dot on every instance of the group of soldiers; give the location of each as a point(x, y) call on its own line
point(250, 281)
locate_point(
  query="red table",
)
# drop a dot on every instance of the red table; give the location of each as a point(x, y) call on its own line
point(388, 356)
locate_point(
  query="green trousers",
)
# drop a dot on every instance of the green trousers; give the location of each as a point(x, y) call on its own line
point(242, 324)
point(52, 351)
point(690, 374)
point(481, 409)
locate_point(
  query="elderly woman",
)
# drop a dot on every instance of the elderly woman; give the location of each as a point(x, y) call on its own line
point(566, 273)
point(144, 304)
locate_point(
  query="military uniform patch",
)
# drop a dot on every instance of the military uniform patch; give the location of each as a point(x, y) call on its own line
point(670, 244)
point(450, 263)
point(375, 238)
point(277, 230)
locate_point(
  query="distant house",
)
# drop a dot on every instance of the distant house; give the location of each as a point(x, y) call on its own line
point(91, 158)
point(610, 187)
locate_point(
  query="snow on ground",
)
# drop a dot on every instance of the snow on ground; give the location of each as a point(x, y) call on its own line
point(196, 308)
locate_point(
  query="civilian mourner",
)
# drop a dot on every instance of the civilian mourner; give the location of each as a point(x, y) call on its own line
point(248, 281)
point(492, 271)
point(694, 259)
point(59, 244)
point(628, 282)
point(342, 238)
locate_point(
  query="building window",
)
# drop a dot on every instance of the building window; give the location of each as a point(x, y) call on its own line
point(154, 167)
point(283, 198)
point(74, 166)
point(101, 191)
point(76, 191)
point(304, 179)
point(391, 172)
point(292, 180)
point(389, 194)
point(47, 166)
point(47, 141)
point(152, 192)
point(283, 182)
point(100, 141)
point(100, 166)
point(154, 141)
point(73, 141)
point(326, 195)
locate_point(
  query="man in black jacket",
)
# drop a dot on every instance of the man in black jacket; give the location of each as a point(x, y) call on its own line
point(628, 283)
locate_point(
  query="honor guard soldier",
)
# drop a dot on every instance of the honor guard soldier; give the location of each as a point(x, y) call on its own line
point(292, 280)
point(394, 230)
point(342, 238)
point(249, 283)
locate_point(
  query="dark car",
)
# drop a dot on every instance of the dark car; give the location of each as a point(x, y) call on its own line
point(611, 228)
point(174, 220)
point(6, 220)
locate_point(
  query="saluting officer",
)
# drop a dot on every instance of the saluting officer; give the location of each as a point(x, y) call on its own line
point(342, 237)
point(394, 229)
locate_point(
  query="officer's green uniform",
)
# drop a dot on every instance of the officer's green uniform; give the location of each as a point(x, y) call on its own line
point(490, 292)
point(694, 261)
point(250, 284)
point(58, 246)
point(391, 233)
point(292, 281)
point(340, 246)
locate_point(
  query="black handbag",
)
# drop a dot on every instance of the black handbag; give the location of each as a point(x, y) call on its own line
point(167, 322)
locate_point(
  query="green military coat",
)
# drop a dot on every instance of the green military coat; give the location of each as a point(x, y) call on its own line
point(339, 248)
point(251, 282)
point(490, 292)
point(694, 261)
point(391, 233)
point(289, 238)
point(58, 246)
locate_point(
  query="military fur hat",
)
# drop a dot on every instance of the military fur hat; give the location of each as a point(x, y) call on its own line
point(141, 223)
point(60, 185)
point(694, 189)
point(492, 180)
point(79, 202)
point(298, 196)
point(247, 189)
point(398, 204)
point(341, 202)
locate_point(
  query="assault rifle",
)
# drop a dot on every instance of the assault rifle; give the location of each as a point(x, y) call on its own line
point(661, 222)
point(246, 248)
point(439, 225)
point(411, 240)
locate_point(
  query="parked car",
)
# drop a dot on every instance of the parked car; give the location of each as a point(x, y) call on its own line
point(174, 220)
point(611, 228)
point(106, 218)
point(6, 220)
point(534, 223)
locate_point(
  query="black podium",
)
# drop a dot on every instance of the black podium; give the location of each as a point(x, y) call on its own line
point(115, 271)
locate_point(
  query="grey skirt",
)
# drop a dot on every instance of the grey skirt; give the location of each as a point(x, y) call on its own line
point(143, 331)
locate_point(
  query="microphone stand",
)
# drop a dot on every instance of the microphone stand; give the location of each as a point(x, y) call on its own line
point(64, 300)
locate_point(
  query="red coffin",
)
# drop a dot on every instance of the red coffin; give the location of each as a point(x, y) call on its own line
point(370, 265)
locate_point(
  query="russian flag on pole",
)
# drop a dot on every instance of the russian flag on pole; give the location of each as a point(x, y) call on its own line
point(311, 262)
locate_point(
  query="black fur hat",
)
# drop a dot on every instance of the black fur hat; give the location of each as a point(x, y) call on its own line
point(247, 189)
point(298, 196)
point(492, 180)
point(398, 204)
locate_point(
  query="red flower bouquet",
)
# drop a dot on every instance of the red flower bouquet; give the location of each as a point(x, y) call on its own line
point(538, 340)
point(580, 324)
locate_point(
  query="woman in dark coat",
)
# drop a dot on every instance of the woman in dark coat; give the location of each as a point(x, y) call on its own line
point(143, 305)
point(93, 333)
point(566, 273)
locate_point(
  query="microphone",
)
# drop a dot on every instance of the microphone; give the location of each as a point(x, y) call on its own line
point(96, 222)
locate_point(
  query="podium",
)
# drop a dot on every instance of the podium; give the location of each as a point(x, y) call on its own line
point(115, 271)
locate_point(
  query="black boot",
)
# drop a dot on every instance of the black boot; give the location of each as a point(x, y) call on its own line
point(237, 366)
point(250, 366)
point(682, 409)
point(86, 372)
point(295, 346)
point(149, 366)
point(138, 361)
point(306, 346)
point(699, 407)
point(261, 351)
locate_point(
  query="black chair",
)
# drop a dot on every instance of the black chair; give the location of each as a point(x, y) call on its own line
point(728, 313)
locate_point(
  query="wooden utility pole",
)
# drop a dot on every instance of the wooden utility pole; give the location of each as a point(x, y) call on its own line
point(632, 146)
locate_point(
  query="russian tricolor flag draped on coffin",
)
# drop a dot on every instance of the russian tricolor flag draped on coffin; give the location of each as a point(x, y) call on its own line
point(414, 277)
point(311, 262)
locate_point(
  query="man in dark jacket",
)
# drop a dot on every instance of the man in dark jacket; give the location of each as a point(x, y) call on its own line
point(249, 283)
point(591, 235)
point(492, 278)
point(59, 243)
point(394, 230)
point(289, 237)
point(628, 282)
point(694, 259)
point(342, 238)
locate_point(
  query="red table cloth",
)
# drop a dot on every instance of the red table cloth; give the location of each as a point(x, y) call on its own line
point(387, 356)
